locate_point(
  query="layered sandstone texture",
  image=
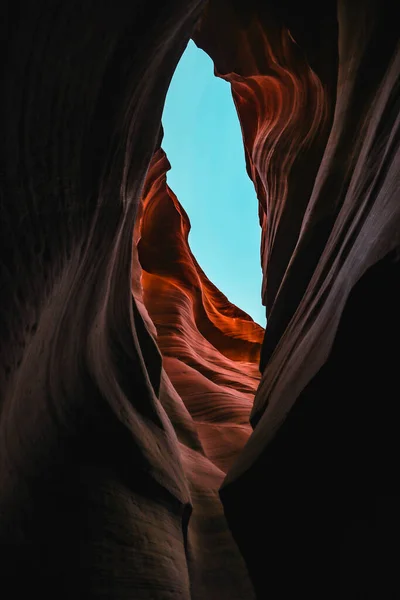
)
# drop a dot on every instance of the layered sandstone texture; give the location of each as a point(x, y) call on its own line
point(140, 454)
point(210, 347)
point(317, 94)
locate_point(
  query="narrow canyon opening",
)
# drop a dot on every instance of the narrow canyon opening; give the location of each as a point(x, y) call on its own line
point(204, 144)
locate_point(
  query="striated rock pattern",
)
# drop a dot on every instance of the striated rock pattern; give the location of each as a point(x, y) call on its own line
point(210, 347)
point(210, 373)
point(126, 378)
point(284, 107)
point(317, 477)
point(94, 501)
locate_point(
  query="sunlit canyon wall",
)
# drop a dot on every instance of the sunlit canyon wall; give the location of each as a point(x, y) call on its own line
point(127, 379)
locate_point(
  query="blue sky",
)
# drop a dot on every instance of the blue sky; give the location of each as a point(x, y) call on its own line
point(203, 142)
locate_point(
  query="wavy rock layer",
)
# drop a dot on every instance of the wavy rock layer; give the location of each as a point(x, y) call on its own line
point(94, 501)
point(210, 347)
point(322, 147)
point(284, 107)
point(210, 373)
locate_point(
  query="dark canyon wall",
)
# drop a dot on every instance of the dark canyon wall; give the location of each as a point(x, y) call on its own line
point(94, 501)
point(315, 485)
point(127, 379)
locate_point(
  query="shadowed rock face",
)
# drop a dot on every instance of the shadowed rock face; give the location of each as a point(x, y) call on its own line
point(322, 147)
point(127, 379)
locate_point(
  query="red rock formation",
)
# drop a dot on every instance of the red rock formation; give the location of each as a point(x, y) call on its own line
point(210, 347)
point(284, 110)
point(110, 461)
point(210, 374)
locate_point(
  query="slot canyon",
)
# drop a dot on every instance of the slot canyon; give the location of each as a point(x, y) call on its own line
point(155, 441)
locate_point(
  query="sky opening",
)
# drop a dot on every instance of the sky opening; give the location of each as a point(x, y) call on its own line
point(203, 142)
